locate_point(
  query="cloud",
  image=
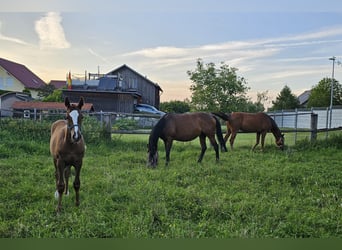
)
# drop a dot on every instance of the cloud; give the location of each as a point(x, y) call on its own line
point(11, 39)
point(50, 32)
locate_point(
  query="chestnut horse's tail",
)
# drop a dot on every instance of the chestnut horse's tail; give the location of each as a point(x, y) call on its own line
point(222, 115)
point(219, 135)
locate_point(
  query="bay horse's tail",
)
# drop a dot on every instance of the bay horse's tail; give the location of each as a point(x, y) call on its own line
point(219, 135)
point(222, 115)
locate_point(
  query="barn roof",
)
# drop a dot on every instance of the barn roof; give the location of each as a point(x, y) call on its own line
point(114, 71)
point(22, 74)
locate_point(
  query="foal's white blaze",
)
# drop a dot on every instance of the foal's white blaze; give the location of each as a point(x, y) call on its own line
point(74, 116)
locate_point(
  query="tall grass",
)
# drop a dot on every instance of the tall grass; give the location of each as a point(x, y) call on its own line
point(289, 194)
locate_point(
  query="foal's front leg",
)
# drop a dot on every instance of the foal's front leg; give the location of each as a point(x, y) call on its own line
point(60, 185)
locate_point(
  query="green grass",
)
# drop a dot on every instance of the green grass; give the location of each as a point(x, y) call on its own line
point(288, 194)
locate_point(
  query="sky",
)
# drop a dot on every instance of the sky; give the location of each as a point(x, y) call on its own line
point(271, 43)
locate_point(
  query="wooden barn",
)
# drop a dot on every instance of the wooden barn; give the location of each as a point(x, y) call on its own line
point(117, 91)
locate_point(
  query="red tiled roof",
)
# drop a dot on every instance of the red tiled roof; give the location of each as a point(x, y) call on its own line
point(22, 74)
point(47, 106)
point(58, 84)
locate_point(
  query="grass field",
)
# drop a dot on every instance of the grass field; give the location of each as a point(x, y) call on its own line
point(293, 193)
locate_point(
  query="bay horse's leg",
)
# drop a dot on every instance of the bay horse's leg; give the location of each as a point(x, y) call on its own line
point(263, 135)
point(168, 146)
point(60, 183)
point(257, 140)
point(77, 182)
point(203, 147)
point(215, 145)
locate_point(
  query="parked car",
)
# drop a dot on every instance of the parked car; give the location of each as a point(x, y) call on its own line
point(148, 109)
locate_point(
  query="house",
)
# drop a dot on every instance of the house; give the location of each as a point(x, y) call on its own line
point(7, 100)
point(117, 91)
point(17, 77)
point(58, 84)
point(303, 98)
point(35, 109)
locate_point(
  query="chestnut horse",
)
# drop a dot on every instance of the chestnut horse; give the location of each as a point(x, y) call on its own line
point(260, 123)
point(184, 127)
point(67, 148)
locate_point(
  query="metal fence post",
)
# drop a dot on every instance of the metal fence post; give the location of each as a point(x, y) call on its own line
point(314, 122)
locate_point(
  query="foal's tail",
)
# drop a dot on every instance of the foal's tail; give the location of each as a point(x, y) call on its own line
point(219, 135)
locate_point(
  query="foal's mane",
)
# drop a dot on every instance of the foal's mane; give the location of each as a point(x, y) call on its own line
point(156, 132)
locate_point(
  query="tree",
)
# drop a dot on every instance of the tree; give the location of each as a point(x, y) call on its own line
point(175, 106)
point(285, 100)
point(320, 94)
point(45, 91)
point(55, 96)
point(216, 88)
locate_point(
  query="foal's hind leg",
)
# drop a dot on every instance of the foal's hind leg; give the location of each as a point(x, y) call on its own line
point(77, 182)
point(66, 175)
point(203, 147)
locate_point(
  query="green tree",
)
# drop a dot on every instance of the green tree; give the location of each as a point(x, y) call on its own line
point(45, 91)
point(285, 100)
point(175, 106)
point(55, 96)
point(321, 93)
point(216, 88)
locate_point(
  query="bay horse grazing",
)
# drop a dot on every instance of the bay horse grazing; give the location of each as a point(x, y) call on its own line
point(67, 148)
point(185, 127)
point(260, 123)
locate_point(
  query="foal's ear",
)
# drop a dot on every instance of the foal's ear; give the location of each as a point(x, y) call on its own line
point(67, 102)
point(80, 103)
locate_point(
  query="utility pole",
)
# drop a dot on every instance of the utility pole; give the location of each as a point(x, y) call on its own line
point(332, 89)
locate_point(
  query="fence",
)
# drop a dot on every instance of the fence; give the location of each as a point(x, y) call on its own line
point(314, 120)
point(297, 121)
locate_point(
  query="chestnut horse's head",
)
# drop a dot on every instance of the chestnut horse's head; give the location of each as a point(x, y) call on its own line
point(74, 119)
point(281, 141)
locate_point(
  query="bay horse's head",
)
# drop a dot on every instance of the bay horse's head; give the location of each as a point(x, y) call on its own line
point(74, 119)
point(281, 141)
point(152, 155)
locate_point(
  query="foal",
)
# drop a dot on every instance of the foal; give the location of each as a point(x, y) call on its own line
point(67, 148)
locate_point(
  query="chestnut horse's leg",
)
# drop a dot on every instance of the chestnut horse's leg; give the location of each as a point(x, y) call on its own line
point(229, 132)
point(232, 138)
point(168, 146)
point(215, 145)
point(257, 140)
point(77, 182)
point(203, 147)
